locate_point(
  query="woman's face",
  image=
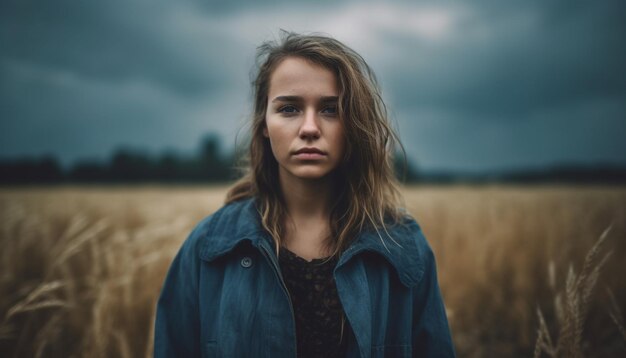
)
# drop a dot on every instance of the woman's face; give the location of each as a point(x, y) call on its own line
point(302, 123)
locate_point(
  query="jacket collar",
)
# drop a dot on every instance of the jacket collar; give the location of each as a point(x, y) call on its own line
point(402, 245)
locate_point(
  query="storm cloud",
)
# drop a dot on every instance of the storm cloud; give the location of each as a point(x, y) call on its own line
point(472, 85)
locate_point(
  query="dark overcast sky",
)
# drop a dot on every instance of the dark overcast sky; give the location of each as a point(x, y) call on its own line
point(472, 85)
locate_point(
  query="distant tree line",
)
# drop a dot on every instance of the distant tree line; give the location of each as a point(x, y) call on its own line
point(126, 166)
point(557, 174)
point(210, 165)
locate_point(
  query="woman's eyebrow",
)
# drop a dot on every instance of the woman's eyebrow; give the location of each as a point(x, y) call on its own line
point(287, 99)
point(326, 99)
point(323, 99)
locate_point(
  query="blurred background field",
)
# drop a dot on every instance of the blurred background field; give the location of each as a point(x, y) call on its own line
point(82, 267)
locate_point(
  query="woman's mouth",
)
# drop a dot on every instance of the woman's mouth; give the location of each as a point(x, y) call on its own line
point(309, 153)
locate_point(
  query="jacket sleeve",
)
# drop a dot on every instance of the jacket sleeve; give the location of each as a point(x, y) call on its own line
point(177, 325)
point(431, 334)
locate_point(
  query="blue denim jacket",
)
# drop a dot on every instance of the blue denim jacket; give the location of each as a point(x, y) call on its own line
point(224, 295)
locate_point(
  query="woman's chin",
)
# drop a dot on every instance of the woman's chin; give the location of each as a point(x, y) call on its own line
point(310, 173)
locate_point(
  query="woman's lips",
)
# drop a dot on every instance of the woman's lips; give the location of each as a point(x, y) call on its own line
point(309, 154)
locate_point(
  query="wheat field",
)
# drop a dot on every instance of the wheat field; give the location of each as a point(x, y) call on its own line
point(82, 267)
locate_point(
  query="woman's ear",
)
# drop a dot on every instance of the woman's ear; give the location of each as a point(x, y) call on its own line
point(266, 134)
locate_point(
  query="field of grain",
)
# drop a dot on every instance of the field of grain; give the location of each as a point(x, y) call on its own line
point(81, 268)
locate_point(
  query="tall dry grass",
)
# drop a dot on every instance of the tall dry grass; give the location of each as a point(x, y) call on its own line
point(82, 268)
point(494, 249)
point(571, 306)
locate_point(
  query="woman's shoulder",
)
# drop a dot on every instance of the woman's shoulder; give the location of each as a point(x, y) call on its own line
point(231, 217)
point(402, 243)
point(234, 219)
point(406, 228)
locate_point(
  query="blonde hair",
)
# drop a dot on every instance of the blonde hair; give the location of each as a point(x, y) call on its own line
point(368, 197)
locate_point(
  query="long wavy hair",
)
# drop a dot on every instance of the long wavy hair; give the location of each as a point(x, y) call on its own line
point(367, 190)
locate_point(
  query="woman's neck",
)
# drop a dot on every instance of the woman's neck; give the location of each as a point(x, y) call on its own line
point(308, 204)
point(306, 198)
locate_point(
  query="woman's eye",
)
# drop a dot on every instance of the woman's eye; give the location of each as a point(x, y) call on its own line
point(330, 110)
point(288, 109)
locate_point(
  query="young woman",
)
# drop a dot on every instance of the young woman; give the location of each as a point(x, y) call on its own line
point(311, 256)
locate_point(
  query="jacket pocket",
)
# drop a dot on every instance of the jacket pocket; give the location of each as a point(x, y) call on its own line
point(391, 351)
point(211, 349)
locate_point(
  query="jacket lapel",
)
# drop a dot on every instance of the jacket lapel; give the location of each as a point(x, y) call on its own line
point(398, 244)
point(230, 226)
point(354, 293)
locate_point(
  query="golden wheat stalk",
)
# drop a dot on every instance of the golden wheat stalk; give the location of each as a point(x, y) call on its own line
point(33, 301)
point(74, 246)
point(616, 314)
point(544, 341)
point(572, 307)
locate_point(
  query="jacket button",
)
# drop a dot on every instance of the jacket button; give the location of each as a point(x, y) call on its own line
point(246, 262)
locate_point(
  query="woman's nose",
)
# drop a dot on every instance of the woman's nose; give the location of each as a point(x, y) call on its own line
point(310, 128)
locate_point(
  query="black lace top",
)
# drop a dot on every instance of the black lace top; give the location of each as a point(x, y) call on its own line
point(320, 321)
